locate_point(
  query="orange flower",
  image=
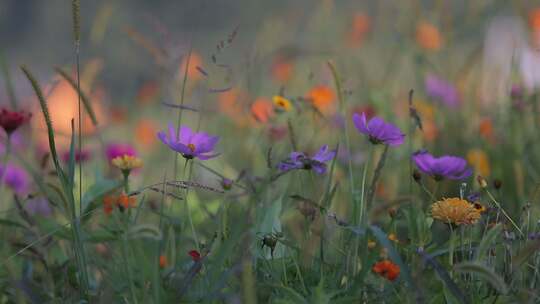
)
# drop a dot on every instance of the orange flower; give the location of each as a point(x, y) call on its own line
point(282, 69)
point(359, 28)
point(121, 201)
point(262, 109)
point(534, 19)
point(322, 97)
point(231, 103)
point(428, 36)
point(145, 132)
point(148, 92)
point(63, 106)
point(118, 114)
point(480, 161)
point(392, 237)
point(163, 261)
point(486, 129)
point(386, 269)
point(193, 74)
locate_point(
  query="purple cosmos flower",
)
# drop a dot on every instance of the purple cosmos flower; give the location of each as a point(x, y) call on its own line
point(38, 205)
point(379, 131)
point(451, 167)
point(15, 178)
point(116, 149)
point(190, 144)
point(442, 90)
point(299, 160)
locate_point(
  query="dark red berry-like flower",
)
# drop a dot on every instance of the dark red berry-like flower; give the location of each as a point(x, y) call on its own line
point(12, 120)
point(195, 255)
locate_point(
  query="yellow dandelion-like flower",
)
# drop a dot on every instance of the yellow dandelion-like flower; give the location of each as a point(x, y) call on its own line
point(281, 103)
point(455, 211)
point(392, 237)
point(481, 208)
point(127, 162)
point(371, 244)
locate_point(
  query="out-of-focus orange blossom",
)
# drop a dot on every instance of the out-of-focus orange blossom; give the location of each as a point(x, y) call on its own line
point(359, 28)
point(428, 36)
point(262, 109)
point(323, 98)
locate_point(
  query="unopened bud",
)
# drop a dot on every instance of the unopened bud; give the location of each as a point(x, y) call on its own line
point(481, 181)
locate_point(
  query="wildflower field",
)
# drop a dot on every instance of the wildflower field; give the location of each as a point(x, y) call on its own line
point(239, 151)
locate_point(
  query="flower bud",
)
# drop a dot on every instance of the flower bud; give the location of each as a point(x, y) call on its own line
point(481, 181)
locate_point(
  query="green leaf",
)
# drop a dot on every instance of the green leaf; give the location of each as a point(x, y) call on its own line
point(524, 254)
point(271, 223)
point(487, 242)
point(144, 231)
point(292, 296)
point(449, 284)
point(11, 223)
point(71, 162)
point(97, 191)
point(484, 273)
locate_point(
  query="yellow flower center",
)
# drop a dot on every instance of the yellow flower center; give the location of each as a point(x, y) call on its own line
point(191, 147)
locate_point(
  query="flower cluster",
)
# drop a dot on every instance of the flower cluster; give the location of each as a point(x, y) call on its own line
point(386, 269)
point(122, 202)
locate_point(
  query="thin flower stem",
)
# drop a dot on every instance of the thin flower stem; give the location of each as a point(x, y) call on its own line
point(376, 176)
point(5, 160)
point(193, 231)
point(504, 212)
point(180, 109)
point(363, 189)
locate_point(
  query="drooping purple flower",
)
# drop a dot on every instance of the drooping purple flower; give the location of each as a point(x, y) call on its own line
point(15, 178)
point(450, 167)
point(442, 90)
point(378, 131)
point(473, 197)
point(299, 160)
point(39, 206)
point(114, 150)
point(190, 144)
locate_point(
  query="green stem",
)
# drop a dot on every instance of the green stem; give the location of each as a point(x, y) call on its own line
point(376, 176)
point(5, 160)
point(504, 212)
point(451, 249)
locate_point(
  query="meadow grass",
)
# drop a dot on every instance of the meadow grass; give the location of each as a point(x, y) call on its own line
point(365, 169)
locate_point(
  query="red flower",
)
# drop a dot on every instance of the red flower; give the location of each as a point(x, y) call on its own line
point(163, 261)
point(12, 120)
point(386, 269)
point(195, 255)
